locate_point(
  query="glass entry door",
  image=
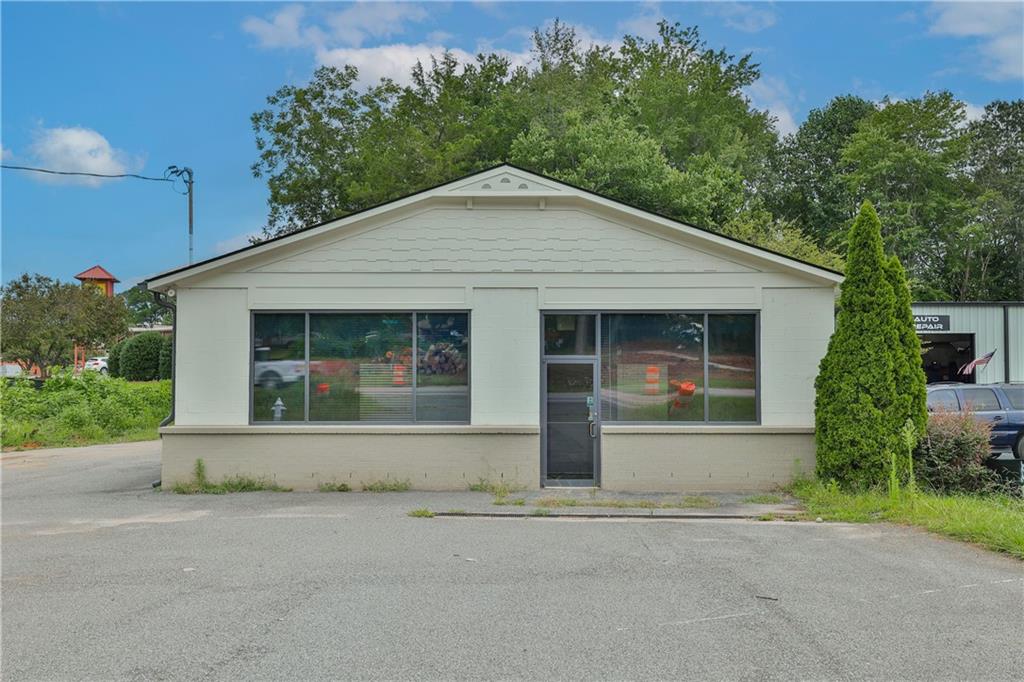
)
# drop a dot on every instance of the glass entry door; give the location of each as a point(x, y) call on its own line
point(572, 424)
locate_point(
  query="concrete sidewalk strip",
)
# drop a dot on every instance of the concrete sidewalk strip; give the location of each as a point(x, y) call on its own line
point(652, 514)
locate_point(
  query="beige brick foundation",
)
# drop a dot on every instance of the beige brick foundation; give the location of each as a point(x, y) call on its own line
point(703, 458)
point(431, 458)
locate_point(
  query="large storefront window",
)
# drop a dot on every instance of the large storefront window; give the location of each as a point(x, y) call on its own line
point(654, 367)
point(279, 367)
point(365, 367)
point(732, 368)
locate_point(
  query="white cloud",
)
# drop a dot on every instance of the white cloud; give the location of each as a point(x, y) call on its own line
point(973, 112)
point(749, 18)
point(386, 61)
point(772, 93)
point(643, 24)
point(284, 29)
point(373, 19)
point(78, 149)
point(292, 26)
point(998, 28)
point(6, 154)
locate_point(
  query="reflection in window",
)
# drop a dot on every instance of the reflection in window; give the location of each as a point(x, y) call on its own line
point(943, 401)
point(279, 367)
point(363, 367)
point(652, 367)
point(360, 367)
point(732, 368)
point(442, 367)
point(569, 334)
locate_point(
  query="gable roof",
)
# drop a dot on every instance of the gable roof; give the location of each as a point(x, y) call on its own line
point(96, 272)
point(503, 179)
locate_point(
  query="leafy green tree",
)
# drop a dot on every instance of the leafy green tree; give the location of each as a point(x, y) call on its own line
point(908, 374)
point(991, 264)
point(43, 319)
point(142, 309)
point(663, 124)
point(909, 160)
point(807, 186)
point(855, 384)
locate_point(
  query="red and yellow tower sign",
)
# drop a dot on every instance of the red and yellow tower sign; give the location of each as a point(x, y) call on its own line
point(97, 276)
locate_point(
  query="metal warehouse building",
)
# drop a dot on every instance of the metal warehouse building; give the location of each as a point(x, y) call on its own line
point(954, 333)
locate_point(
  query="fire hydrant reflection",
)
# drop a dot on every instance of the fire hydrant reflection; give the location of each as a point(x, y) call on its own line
point(278, 409)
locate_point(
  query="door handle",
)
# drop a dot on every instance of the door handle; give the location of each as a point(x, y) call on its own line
point(593, 429)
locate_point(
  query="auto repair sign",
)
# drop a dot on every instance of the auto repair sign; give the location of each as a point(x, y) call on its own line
point(931, 323)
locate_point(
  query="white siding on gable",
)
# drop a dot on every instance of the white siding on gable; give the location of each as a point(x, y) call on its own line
point(504, 240)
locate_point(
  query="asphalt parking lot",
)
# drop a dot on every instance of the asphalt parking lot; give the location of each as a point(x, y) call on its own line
point(103, 578)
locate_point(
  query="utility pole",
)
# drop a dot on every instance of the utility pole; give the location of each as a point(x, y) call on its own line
point(189, 180)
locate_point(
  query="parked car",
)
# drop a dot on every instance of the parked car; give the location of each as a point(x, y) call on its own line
point(98, 364)
point(276, 373)
point(1002, 405)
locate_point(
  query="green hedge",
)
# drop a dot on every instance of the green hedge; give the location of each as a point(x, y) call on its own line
point(114, 359)
point(90, 408)
point(164, 365)
point(140, 357)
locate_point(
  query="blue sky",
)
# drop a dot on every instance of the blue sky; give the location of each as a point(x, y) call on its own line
point(116, 87)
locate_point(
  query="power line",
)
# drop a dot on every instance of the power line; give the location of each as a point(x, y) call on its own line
point(92, 175)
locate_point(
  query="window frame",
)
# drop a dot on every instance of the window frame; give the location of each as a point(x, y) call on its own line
point(705, 313)
point(415, 370)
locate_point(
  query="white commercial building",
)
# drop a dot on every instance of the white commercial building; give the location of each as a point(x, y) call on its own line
point(504, 326)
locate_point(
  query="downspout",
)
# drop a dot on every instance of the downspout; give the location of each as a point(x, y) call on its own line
point(161, 300)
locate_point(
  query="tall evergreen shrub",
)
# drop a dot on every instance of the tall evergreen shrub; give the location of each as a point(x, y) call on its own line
point(855, 384)
point(908, 373)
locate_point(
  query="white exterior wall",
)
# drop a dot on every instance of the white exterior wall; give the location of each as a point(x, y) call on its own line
point(541, 274)
point(504, 356)
point(212, 357)
point(795, 328)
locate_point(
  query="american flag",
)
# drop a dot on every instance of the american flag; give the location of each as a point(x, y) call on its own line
point(976, 362)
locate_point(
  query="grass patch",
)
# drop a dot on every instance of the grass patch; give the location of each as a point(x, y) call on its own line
point(200, 485)
point(993, 521)
point(334, 487)
point(388, 486)
point(767, 498)
point(500, 490)
point(540, 512)
point(510, 501)
point(687, 502)
point(70, 411)
point(456, 511)
point(423, 513)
